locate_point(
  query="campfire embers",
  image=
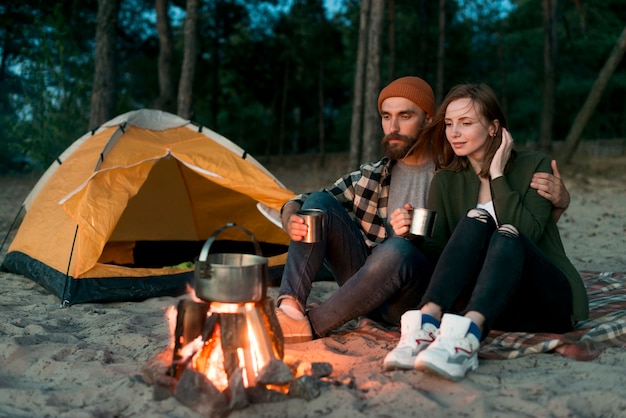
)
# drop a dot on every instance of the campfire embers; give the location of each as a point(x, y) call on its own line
point(228, 350)
point(218, 339)
point(228, 355)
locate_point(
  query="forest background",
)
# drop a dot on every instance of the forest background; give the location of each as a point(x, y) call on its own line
point(291, 77)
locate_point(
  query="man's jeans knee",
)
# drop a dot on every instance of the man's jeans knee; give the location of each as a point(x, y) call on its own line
point(342, 248)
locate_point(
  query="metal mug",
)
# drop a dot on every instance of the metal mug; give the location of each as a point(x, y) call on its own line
point(422, 223)
point(313, 219)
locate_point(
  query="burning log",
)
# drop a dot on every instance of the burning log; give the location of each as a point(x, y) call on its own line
point(271, 324)
point(228, 355)
point(190, 322)
point(236, 391)
point(228, 350)
point(235, 343)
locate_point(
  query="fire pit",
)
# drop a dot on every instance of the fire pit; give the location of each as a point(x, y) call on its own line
point(228, 346)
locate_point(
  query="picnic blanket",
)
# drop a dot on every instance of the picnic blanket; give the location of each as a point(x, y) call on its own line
point(606, 326)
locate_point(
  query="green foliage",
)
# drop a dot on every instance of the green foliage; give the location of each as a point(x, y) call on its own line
point(514, 67)
point(587, 37)
point(263, 66)
point(54, 75)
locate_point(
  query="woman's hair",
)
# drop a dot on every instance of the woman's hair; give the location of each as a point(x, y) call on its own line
point(486, 105)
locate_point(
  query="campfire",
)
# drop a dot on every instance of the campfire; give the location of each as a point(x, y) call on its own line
point(227, 346)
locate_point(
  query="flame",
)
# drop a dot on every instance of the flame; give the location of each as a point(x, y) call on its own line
point(214, 367)
point(170, 316)
point(208, 356)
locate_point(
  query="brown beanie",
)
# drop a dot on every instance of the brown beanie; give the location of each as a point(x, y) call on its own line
point(413, 88)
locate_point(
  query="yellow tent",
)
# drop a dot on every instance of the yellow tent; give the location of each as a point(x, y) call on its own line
point(125, 209)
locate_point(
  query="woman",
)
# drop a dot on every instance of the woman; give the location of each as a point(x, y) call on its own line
point(503, 265)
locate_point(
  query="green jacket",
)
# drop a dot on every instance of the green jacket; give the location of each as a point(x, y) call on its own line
point(453, 194)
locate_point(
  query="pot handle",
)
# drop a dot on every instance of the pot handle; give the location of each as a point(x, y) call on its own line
point(207, 245)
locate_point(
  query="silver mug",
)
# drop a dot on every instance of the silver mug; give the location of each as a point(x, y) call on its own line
point(313, 219)
point(422, 223)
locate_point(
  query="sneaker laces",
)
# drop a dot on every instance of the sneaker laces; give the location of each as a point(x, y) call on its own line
point(426, 335)
point(454, 345)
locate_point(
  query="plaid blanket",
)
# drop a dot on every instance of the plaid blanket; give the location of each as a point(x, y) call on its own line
point(606, 326)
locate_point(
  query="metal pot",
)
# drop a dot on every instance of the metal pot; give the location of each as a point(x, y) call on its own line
point(230, 277)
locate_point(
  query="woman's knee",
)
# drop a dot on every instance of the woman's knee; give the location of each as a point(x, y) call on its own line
point(508, 231)
point(479, 214)
point(506, 239)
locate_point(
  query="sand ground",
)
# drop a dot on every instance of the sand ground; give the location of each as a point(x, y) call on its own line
point(86, 360)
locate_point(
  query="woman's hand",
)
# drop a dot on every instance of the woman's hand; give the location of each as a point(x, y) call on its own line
point(502, 155)
point(400, 220)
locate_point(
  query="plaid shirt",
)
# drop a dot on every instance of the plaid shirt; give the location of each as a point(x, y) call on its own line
point(364, 194)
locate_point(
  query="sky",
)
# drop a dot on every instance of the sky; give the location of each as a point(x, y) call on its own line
point(333, 6)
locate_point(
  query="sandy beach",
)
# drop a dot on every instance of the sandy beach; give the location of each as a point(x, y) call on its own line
point(87, 360)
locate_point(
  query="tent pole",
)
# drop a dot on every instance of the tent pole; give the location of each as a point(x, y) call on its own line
point(64, 301)
point(11, 227)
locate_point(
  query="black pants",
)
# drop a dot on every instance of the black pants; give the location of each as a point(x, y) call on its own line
point(506, 278)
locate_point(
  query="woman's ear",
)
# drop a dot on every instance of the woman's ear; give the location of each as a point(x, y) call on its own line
point(495, 125)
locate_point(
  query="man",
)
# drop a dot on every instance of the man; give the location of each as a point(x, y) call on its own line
point(379, 275)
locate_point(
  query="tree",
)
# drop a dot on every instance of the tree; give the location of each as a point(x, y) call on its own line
point(550, 43)
point(391, 33)
point(165, 100)
point(356, 126)
point(185, 86)
point(371, 119)
point(439, 93)
point(104, 83)
point(254, 57)
point(573, 137)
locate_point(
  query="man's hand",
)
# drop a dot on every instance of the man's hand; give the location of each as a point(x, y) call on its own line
point(296, 228)
point(551, 187)
point(400, 220)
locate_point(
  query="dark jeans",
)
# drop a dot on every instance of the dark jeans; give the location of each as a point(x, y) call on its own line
point(382, 283)
point(507, 279)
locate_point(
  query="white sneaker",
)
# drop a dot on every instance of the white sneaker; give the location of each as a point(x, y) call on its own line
point(414, 338)
point(454, 352)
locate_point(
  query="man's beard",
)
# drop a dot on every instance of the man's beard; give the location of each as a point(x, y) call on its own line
point(397, 151)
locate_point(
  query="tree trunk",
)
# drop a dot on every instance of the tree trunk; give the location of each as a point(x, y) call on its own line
point(371, 127)
point(573, 137)
point(103, 95)
point(504, 101)
point(166, 99)
point(549, 58)
point(423, 42)
point(356, 126)
point(320, 100)
point(391, 33)
point(282, 131)
point(188, 71)
point(216, 63)
point(441, 56)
